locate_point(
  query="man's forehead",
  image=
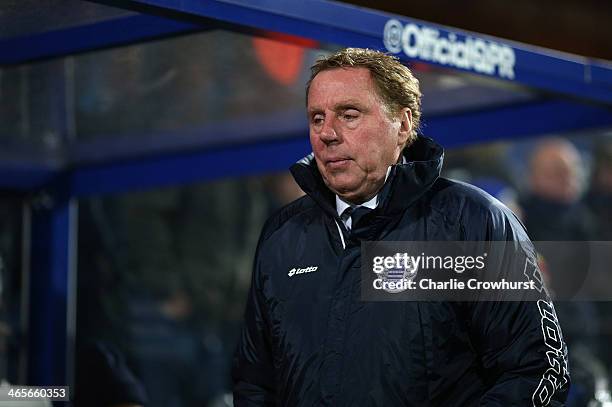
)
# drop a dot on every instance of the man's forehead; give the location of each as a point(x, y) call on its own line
point(346, 71)
point(342, 86)
point(353, 75)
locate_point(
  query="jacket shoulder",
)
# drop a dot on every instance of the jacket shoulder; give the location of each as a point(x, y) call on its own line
point(285, 214)
point(461, 193)
point(482, 216)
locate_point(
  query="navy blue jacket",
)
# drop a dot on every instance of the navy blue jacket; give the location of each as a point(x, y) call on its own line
point(309, 340)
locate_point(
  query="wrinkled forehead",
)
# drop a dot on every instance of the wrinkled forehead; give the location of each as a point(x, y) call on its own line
point(338, 85)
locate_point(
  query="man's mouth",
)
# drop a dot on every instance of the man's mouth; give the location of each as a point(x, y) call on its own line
point(337, 163)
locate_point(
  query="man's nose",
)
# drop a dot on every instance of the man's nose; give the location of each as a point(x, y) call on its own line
point(328, 131)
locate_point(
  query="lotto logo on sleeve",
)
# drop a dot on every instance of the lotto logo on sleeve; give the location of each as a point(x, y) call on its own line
point(295, 271)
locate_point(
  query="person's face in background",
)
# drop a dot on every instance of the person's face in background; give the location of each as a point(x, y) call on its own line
point(555, 171)
point(353, 138)
point(602, 176)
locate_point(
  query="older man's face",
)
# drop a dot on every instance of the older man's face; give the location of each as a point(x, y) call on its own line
point(555, 171)
point(353, 138)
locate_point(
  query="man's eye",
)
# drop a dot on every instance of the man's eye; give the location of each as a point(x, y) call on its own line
point(317, 120)
point(350, 115)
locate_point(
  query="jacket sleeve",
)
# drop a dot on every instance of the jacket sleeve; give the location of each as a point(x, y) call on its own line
point(252, 370)
point(519, 343)
point(522, 353)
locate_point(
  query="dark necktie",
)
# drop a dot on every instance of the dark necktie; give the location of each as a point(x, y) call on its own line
point(356, 213)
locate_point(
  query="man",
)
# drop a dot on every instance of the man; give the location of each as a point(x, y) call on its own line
point(599, 196)
point(553, 210)
point(309, 340)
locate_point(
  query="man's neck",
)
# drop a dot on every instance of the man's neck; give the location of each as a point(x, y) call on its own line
point(371, 203)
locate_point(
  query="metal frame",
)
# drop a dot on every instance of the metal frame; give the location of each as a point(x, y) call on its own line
point(111, 33)
point(586, 85)
point(348, 25)
point(325, 21)
point(205, 163)
point(130, 164)
point(51, 286)
point(322, 20)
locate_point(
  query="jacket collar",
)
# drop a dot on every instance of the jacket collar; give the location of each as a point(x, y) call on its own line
point(406, 183)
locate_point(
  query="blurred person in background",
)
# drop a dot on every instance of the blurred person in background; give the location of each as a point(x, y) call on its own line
point(554, 210)
point(599, 197)
point(599, 201)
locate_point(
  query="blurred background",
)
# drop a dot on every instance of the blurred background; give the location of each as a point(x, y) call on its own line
point(138, 165)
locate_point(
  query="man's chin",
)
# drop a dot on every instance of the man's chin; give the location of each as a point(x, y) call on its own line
point(346, 192)
point(340, 186)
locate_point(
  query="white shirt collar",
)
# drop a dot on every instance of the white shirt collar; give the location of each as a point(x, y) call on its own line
point(372, 203)
point(341, 205)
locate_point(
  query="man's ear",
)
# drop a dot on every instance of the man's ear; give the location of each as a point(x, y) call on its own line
point(405, 130)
